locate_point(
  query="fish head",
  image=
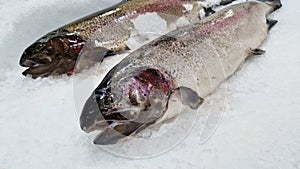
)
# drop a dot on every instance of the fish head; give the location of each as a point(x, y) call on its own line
point(125, 103)
point(54, 54)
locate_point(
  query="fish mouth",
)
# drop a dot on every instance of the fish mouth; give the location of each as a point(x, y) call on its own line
point(53, 68)
point(114, 116)
point(112, 125)
point(123, 123)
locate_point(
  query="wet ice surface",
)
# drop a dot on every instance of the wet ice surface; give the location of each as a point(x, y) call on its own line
point(39, 121)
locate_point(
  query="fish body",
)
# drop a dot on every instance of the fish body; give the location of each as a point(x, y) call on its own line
point(104, 32)
point(188, 64)
point(112, 28)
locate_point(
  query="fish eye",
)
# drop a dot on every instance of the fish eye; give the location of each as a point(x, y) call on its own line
point(105, 100)
point(39, 46)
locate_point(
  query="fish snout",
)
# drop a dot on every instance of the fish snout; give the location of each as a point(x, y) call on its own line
point(31, 55)
point(27, 63)
point(91, 118)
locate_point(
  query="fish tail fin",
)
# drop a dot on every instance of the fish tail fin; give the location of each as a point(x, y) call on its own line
point(276, 4)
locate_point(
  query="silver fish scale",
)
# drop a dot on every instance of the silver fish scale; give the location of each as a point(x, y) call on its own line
point(117, 35)
point(202, 55)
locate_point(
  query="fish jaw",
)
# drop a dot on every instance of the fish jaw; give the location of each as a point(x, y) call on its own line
point(126, 105)
point(54, 54)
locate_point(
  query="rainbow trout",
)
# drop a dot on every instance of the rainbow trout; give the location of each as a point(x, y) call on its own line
point(98, 35)
point(186, 64)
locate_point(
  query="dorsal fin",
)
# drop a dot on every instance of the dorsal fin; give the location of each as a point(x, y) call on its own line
point(208, 11)
point(276, 4)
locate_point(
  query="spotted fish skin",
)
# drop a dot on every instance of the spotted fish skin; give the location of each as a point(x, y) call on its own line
point(104, 32)
point(194, 59)
point(212, 49)
point(108, 26)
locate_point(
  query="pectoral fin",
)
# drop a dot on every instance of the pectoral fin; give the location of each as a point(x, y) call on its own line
point(188, 97)
point(97, 53)
point(271, 23)
point(89, 57)
point(257, 52)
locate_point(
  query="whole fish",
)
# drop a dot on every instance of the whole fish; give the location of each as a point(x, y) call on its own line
point(186, 64)
point(104, 33)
